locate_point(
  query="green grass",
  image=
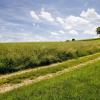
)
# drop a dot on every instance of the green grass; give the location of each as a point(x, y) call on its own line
point(19, 56)
point(94, 39)
point(32, 74)
point(81, 84)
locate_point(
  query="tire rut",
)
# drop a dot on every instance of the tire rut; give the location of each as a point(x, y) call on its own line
point(8, 87)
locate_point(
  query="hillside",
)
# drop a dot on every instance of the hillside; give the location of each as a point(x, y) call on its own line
point(50, 70)
point(19, 56)
point(94, 39)
point(74, 74)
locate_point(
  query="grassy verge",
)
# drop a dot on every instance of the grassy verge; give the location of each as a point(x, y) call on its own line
point(82, 84)
point(32, 74)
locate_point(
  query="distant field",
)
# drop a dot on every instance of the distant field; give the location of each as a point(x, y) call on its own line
point(91, 39)
point(81, 84)
point(19, 56)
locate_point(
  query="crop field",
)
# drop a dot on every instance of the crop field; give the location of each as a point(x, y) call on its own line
point(79, 84)
point(19, 56)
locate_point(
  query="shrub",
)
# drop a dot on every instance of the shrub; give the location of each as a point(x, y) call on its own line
point(73, 39)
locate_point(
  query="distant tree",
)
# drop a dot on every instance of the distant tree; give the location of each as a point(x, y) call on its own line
point(73, 39)
point(67, 40)
point(98, 31)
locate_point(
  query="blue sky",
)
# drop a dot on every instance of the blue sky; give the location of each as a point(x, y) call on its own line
point(48, 20)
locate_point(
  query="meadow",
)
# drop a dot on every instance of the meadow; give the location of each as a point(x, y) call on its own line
point(81, 84)
point(19, 56)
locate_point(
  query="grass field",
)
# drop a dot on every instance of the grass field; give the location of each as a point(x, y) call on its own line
point(81, 84)
point(19, 56)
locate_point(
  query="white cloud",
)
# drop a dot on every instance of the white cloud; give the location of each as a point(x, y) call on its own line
point(58, 33)
point(54, 33)
point(73, 32)
point(74, 22)
point(91, 31)
point(46, 15)
point(90, 14)
point(34, 15)
point(60, 20)
point(42, 15)
point(62, 32)
point(86, 23)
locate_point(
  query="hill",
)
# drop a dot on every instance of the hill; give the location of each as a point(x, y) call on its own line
point(19, 56)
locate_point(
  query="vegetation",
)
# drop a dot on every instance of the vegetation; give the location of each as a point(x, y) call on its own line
point(82, 84)
point(98, 30)
point(32, 74)
point(18, 56)
point(73, 39)
point(94, 39)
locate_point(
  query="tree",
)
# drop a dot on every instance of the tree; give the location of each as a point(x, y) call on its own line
point(98, 31)
point(73, 39)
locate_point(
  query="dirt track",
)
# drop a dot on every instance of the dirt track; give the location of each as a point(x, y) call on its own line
point(8, 87)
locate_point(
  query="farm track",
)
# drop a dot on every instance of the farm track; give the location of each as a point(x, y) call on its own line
point(8, 87)
point(27, 70)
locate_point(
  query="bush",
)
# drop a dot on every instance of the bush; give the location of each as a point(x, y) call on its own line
point(73, 39)
point(98, 28)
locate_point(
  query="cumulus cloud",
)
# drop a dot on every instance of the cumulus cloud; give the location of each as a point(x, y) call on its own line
point(58, 33)
point(73, 32)
point(85, 23)
point(90, 14)
point(60, 20)
point(43, 15)
point(61, 31)
point(54, 33)
point(91, 31)
point(34, 15)
point(46, 15)
point(74, 21)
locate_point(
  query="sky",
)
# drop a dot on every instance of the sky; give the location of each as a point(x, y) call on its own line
point(48, 20)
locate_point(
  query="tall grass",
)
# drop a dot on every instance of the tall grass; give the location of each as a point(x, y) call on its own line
point(18, 56)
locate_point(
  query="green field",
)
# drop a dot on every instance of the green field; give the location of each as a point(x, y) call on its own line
point(81, 84)
point(19, 56)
